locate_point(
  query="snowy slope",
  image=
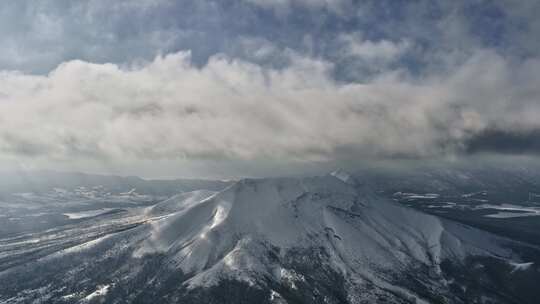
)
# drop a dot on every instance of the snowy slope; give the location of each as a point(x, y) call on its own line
point(180, 201)
point(228, 234)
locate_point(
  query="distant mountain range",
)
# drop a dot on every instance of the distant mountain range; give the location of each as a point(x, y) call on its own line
point(43, 181)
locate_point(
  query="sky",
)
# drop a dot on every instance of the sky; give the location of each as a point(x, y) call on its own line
point(217, 89)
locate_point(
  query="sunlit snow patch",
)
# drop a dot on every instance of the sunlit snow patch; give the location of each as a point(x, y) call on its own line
point(85, 214)
point(520, 266)
point(342, 175)
point(101, 291)
point(510, 211)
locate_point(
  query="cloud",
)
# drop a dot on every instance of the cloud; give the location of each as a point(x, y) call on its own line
point(514, 142)
point(266, 82)
point(383, 51)
point(36, 37)
point(286, 6)
point(231, 109)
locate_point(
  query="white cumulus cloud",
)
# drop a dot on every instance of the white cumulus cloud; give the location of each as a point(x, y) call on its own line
point(230, 109)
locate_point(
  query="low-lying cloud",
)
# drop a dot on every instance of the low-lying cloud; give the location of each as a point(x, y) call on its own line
point(231, 109)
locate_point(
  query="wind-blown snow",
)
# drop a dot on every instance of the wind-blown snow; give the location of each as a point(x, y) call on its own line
point(180, 202)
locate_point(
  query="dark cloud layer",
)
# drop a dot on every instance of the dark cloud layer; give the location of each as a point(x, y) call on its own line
point(505, 141)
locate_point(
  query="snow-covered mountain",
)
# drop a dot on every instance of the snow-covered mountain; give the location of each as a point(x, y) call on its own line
point(323, 239)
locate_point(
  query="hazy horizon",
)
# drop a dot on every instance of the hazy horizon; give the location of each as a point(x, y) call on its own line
point(495, 162)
